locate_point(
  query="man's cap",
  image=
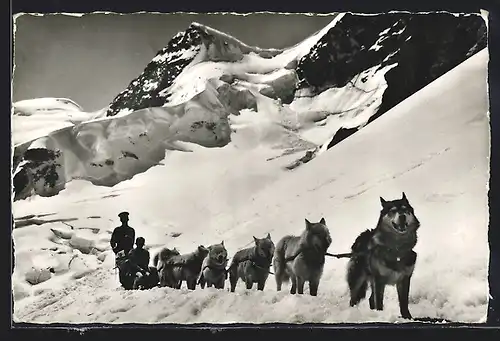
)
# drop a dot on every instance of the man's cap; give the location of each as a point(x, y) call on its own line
point(123, 214)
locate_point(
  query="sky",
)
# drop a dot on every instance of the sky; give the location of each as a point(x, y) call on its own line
point(90, 59)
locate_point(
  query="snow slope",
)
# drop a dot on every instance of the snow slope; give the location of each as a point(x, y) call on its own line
point(434, 146)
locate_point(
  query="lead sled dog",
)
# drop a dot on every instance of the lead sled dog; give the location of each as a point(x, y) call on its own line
point(384, 256)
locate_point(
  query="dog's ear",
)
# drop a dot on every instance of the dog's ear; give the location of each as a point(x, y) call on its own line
point(308, 224)
point(404, 197)
point(383, 202)
point(256, 240)
point(222, 243)
point(322, 221)
point(268, 236)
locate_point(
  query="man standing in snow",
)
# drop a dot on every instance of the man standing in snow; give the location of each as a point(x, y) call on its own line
point(122, 241)
point(123, 236)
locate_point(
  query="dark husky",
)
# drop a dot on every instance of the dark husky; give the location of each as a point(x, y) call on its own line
point(252, 264)
point(164, 272)
point(301, 258)
point(186, 267)
point(213, 271)
point(384, 256)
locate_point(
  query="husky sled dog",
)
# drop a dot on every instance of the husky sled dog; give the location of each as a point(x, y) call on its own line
point(302, 258)
point(252, 264)
point(159, 262)
point(384, 256)
point(186, 267)
point(213, 271)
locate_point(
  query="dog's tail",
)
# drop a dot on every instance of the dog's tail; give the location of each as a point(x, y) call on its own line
point(237, 258)
point(279, 263)
point(156, 259)
point(232, 266)
point(357, 279)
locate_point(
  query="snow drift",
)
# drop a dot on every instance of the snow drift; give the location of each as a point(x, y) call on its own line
point(316, 93)
point(213, 194)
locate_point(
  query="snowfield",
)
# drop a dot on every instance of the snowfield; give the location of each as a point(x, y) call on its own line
point(434, 146)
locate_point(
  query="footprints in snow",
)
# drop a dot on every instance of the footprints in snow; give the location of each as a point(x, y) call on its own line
point(398, 174)
point(123, 309)
point(352, 196)
point(110, 196)
point(445, 197)
point(101, 299)
point(199, 307)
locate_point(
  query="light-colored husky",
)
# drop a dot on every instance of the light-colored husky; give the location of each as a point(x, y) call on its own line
point(213, 269)
point(301, 258)
point(252, 264)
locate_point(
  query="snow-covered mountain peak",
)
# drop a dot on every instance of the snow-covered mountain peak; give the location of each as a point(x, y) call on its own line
point(202, 44)
point(209, 88)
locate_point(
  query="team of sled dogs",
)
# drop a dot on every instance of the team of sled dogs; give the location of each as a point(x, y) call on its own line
point(379, 257)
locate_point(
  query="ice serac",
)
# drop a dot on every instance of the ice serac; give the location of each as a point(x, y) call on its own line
point(109, 150)
point(420, 48)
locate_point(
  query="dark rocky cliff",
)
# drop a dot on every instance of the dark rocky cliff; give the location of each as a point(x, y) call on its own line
point(38, 173)
point(424, 46)
point(146, 90)
point(159, 73)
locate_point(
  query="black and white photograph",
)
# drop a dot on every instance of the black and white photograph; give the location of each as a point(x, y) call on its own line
point(185, 168)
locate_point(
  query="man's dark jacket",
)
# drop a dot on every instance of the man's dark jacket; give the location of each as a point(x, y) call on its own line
point(140, 257)
point(122, 238)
